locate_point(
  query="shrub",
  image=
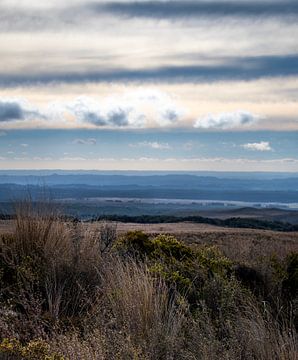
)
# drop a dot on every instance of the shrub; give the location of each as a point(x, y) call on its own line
point(290, 284)
point(250, 278)
point(34, 350)
point(185, 269)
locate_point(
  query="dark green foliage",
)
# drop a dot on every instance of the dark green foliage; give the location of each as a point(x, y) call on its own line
point(135, 243)
point(250, 278)
point(290, 284)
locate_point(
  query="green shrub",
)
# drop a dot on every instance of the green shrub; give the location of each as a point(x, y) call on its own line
point(185, 269)
point(134, 243)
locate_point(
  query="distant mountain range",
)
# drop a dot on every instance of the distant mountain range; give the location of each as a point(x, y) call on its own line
point(174, 181)
point(250, 187)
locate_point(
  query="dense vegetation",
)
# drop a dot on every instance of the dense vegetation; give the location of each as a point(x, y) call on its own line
point(72, 291)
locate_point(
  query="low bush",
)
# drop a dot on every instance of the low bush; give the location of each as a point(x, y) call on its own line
point(183, 268)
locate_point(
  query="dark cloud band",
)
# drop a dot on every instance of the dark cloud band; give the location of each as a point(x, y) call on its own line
point(231, 69)
point(178, 9)
point(68, 17)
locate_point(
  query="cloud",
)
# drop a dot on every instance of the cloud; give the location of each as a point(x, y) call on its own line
point(78, 158)
point(153, 145)
point(3, 133)
point(170, 115)
point(11, 110)
point(189, 145)
point(24, 145)
point(31, 18)
point(17, 109)
point(136, 109)
point(45, 158)
point(194, 9)
point(88, 110)
point(226, 120)
point(100, 113)
point(228, 69)
point(261, 146)
point(90, 141)
point(15, 17)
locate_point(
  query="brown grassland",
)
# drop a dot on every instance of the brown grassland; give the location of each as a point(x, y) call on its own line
point(128, 291)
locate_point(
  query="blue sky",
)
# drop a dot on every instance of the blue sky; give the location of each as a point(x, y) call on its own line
point(140, 85)
point(178, 149)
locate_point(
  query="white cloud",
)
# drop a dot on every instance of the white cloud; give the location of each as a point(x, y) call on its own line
point(227, 120)
point(162, 105)
point(261, 146)
point(46, 158)
point(135, 109)
point(88, 110)
point(153, 145)
point(68, 158)
point(24, 145)
point(90, 141)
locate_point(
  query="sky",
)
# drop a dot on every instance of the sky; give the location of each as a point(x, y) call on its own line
point(149, 85)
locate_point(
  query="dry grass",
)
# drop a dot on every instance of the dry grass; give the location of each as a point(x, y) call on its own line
point(142, 308)
point(134, 319)
point(239, 244)
point(251, 336)
point(65, 283)
point(54, 260)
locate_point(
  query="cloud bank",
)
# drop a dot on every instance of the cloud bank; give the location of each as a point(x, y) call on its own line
point(144, 108)
point(148, 163)
point(228, 69)
point(138, 109)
